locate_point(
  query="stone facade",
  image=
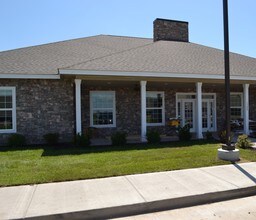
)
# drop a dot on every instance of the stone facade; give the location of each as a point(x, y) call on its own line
point(128, 109)
point(43, 106)
point(252, 103)
point(170, 30)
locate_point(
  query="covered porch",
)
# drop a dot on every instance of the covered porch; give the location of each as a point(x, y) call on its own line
point(137, 104)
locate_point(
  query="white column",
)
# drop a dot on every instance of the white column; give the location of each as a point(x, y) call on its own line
point(78, 106)
point(246, 108)
point(143, 110)
point(199, 132)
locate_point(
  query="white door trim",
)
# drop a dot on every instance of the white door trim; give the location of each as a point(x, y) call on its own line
point(193, 129)
point(214, 107)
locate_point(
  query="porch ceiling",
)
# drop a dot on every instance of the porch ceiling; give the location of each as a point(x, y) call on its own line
point(157, 84)
point(132, 79)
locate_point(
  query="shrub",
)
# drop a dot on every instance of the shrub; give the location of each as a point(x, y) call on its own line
point(243, 142)
point(90, 132)
point(51, 138)
point(16, 140)
point(153, 137)
point(208, 135)
point(222, 136)
point(184, 133)
point(82, 140)
point(118, 138)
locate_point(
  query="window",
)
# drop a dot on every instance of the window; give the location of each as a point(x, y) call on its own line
point(236, 106)
point(7, 110)
point(155, 108)
point(103, 113)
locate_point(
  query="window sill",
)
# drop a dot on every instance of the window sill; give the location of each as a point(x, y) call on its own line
point(7, 131)
point(103, 126)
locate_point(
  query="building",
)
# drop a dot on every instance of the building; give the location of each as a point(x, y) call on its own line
point(122, 83)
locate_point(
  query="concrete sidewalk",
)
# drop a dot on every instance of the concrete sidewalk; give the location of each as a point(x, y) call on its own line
point(133, 194)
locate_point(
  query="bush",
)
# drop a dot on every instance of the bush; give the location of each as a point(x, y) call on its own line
point(51, 138)
point(243, 142)
point(153, 137)
point(118, 138)
point(184, 133)
point(208, 135)
point(82, 140)
point(222, 136)
point(16, 140)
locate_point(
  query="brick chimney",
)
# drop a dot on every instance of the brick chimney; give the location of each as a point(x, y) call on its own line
point(170, 30)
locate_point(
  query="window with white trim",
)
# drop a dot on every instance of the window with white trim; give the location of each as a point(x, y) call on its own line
point(155, 108)
point(103, 109)
point(7, 110)
point(236, 106)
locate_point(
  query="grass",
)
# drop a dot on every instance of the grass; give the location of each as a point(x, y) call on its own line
point(51, 164)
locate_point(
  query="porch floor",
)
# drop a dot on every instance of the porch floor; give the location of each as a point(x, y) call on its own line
point(135, 139)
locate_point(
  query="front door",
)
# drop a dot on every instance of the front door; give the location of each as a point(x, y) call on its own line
point(188, 113)
point(208, 115)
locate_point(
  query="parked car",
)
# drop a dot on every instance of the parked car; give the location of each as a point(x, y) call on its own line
point(237, 125)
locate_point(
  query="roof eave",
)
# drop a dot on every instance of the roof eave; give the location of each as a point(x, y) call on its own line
point(78, 72)
point(28, 76)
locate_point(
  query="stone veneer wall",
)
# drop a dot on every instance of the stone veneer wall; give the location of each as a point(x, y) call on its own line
point(128, 109)
point(43, 106)
point(220, 104)
point(170, 30)
point(128, 106)
point(252, 103)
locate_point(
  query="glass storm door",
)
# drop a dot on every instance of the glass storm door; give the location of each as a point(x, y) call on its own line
point(188, 113)
point(207, 115)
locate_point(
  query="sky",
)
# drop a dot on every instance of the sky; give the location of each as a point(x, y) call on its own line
point(32, 22)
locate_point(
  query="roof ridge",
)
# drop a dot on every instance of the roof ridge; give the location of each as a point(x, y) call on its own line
point(111, 35)
point(111, 54)
point(74, 39)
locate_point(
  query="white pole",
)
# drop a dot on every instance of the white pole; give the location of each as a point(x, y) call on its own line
point(246, 108)
point(199, 109)
point(143, 111)
point(78, 106)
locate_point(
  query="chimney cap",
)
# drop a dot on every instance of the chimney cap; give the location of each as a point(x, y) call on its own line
point(170, 20)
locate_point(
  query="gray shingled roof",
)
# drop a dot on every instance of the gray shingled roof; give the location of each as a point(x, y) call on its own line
point(125, 54)
point(172, 57)
point(47, 58)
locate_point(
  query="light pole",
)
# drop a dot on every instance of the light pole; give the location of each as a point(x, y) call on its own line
point(228, 151)
point(228, 145)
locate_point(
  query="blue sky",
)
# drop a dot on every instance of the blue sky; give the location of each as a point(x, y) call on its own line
point(32, 22)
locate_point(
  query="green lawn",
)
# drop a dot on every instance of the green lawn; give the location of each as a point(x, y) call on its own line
point(50, 164)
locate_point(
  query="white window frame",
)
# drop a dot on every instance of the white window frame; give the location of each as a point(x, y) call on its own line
point(114, 109)
point(163, 108)
point(242, 103)
point(13, 109)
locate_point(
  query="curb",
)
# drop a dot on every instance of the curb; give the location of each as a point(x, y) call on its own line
point(155, 206)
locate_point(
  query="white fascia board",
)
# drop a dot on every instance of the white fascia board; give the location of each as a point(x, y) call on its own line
point(151, 74)
point(29, 76)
